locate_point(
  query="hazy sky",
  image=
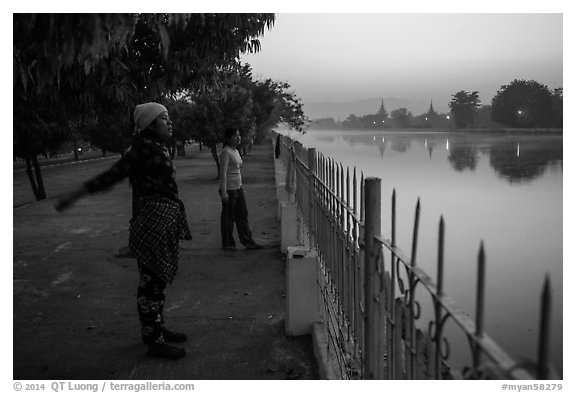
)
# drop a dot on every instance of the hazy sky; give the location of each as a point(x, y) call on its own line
point(351, 56)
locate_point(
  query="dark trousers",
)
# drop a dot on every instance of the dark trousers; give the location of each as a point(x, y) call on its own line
point(150, 302)
point(235, 212)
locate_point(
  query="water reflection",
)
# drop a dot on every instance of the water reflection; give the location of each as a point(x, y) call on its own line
point(462, 157)
point(515, 158)
point(518, 162)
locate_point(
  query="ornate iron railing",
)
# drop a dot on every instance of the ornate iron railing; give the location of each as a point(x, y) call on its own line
point(372, 304)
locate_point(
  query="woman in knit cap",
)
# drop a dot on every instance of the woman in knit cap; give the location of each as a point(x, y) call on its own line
point(158, 226)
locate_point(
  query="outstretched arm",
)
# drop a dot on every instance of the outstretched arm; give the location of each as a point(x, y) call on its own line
point(66, 201)
point(100, 183)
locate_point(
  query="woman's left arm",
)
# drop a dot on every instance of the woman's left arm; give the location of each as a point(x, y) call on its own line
point(118, 172)
point(224, 162)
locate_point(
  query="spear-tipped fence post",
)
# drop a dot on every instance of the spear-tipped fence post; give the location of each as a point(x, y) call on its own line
point(372, 229)
point(311, 194)
point(439, 293)
point(543, 344)
point(480, 288)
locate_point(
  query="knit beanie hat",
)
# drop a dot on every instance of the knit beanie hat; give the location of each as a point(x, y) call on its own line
point(145, 114)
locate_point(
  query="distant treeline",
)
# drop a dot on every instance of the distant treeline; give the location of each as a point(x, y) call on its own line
point(520, 104)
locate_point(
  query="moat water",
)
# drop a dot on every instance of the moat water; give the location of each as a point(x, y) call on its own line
point(503, 189)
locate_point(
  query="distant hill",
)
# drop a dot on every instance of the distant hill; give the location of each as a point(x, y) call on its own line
point(341, 110)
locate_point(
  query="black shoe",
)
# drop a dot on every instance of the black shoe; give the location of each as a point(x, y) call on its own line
point(173, 337)
point(253, 246)
point(229, 248)
point(165, 351)
point(169, 336)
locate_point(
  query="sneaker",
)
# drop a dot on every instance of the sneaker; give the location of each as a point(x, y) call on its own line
point(165, 351)
point(253, 246)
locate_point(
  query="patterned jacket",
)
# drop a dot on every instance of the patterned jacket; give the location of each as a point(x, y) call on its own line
point(161, 221)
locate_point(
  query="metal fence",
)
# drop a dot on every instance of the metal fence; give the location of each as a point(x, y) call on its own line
point(372, 292)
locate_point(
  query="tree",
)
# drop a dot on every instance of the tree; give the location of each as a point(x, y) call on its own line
point(95, 61)
point(235, 104)
point(251, 106)
point(266, 109)
point(111, 132)
point(401, 117)
point(208, 121)
point(228, 104)
point(181, 115)
point(524, 103)
point(373, 121)
point(37, 131)
point(275, 103)
point(327, 123)
point(291, 108)
point(557, 107)
point(161, 51)
point(484, 118)
point(352, 121)
point(463, 108)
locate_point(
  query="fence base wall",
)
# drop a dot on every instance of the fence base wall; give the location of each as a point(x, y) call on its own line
point(301, 291)
point(325, 358)
point(288, 226)
point(282, 196)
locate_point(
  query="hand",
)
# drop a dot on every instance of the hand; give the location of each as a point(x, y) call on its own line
point(66, 201)
point(63, 204)
point(225, 198)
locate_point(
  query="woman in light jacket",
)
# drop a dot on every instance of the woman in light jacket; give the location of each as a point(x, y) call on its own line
point(234, 209)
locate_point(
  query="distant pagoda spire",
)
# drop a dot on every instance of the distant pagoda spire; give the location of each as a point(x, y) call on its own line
point(431, 111)
point(382, 110)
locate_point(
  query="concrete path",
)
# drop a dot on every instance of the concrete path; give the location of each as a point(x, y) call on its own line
point(74, 308)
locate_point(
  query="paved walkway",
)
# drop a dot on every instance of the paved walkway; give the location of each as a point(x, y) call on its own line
point(74, 298)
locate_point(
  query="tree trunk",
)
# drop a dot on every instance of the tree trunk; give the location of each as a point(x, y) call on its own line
point(39, 180)
point(214, 152)
point(35, 177)
point(31, 178)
